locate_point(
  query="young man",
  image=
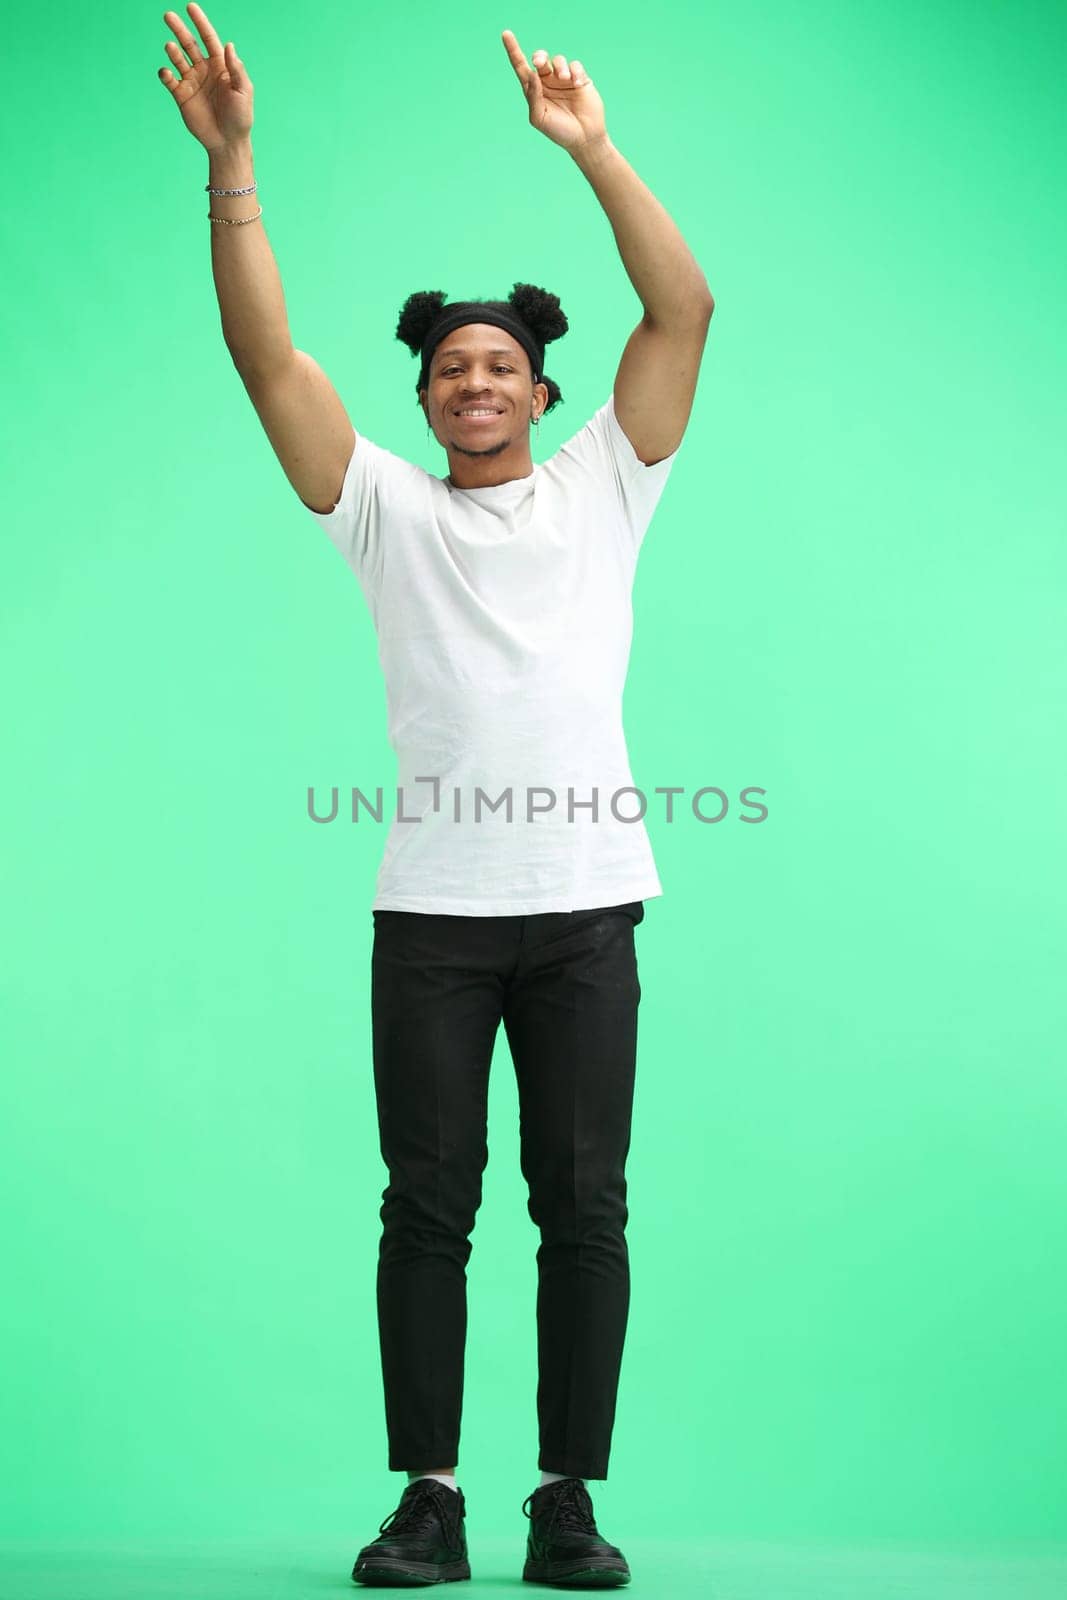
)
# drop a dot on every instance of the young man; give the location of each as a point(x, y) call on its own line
point(515, 869)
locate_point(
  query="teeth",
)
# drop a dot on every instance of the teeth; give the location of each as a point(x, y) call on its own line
point(480, 411)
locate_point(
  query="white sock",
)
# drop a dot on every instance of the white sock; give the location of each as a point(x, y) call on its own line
point(441, 1477)
point(555, 1477)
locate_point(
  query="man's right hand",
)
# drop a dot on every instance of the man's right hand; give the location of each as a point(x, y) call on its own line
point(214, 92)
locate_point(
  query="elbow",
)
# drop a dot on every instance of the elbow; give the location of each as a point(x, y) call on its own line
point(701, 306)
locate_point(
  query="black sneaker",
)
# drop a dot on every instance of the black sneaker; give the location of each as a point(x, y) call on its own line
point(563, 1545)
point(423, 1541)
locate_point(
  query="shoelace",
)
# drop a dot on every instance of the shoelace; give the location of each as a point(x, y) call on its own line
point(572, 1509)
point(419, 1512)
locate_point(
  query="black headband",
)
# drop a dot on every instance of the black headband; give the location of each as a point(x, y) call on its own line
point(463, 312)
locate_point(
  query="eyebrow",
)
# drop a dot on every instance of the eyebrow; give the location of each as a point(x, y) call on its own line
point(458, 350)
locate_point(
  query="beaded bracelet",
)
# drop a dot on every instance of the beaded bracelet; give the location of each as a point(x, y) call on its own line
point(237, 220)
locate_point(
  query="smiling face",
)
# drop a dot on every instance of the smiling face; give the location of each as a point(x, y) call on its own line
point(481, 368)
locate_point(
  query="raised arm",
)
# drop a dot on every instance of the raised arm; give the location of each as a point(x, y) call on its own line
point(656, 379)
point(299, 408)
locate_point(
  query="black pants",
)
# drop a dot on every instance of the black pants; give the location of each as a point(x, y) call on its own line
point(566, 986)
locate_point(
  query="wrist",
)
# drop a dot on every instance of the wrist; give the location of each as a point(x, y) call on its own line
point(593, 151)
point(223, 158)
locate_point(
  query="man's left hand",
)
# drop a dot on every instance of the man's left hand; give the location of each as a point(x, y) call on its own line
point(563, 103)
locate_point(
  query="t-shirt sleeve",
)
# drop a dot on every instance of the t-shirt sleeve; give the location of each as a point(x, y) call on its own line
point(602, 447)
point(378, 488)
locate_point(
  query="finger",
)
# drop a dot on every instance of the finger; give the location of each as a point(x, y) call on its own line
point(541, 62)
point(527, 76)
point(581, 77)
point(178, 59)
point(563, 72)
point(188, 42)
point(207, 32)
point(523, 70)
point(238, 76)
point(531, 83)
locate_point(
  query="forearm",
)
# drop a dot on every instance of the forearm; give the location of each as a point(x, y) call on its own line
point(249, 288)
point(661, 267)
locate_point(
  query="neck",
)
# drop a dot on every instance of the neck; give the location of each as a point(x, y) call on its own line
point(486, 469)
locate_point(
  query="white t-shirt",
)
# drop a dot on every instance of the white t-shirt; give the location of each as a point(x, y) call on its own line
point(504, 624)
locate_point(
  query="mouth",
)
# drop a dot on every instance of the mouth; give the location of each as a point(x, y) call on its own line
point(482, 416)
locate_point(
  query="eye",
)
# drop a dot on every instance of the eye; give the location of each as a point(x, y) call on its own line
point(500, 368)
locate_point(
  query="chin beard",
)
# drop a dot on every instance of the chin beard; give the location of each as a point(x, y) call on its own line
point(490, 450)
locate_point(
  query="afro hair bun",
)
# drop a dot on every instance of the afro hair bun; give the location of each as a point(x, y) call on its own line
point(539, 310)
point(418, 316)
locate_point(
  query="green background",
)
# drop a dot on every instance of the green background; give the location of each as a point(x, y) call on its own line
point(847, 1185)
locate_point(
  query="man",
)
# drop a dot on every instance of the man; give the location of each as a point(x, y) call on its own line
point(514, 872)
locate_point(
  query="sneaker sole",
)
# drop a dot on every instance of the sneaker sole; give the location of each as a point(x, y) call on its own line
point(404, 1574)
point(606, 1574)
